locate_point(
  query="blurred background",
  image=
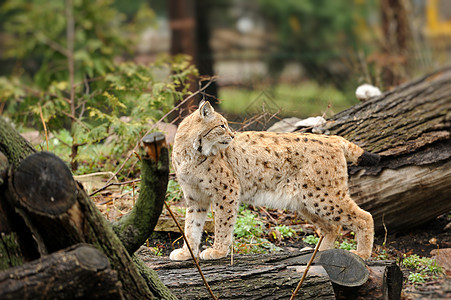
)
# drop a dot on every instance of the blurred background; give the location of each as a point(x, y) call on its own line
point(90, 66)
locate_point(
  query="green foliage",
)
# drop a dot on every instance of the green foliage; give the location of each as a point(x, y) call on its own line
point(40, 31)
point(174, 192)
point(311, 239)
point(422, 264)
point(316, 33)
point(423, 268)
point(382, 255)
point(347, 245)
point(417, 277)
point(248, 225)
point(285, 231)
point(248, 233)
point(302, 100)
point(74, 79)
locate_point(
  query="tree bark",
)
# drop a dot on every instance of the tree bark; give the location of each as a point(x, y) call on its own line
point(410, 127)
point(134, 228)
point(12, 144)
point(81, 269)
point(182, 22)
point(271, 276)
point(48, 211)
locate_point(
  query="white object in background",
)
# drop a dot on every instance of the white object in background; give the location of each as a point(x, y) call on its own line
point(311, 122)
point(366, 91)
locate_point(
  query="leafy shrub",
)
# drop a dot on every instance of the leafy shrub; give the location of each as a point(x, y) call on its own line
point(70, 79)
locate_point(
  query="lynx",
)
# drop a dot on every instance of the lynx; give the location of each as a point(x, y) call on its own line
point(303, 172)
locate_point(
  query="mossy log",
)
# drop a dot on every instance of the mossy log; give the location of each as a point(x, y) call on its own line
point(81, 269)
point(334, 274)
point(46, 211)
point(410, 127)
point(134, 228)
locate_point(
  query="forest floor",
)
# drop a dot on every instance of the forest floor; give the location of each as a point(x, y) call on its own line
point(420, 241)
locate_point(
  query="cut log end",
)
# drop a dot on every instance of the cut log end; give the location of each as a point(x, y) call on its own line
point(153, 143)
point(343, 267)
point(90, 258)
point(44, 184)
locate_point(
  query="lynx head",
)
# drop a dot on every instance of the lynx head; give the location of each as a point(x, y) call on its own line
point(214, 132)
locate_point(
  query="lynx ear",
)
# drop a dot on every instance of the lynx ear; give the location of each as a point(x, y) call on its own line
point(205, 109)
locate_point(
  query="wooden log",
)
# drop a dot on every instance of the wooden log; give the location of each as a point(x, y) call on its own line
point(12, 253)
point(410, 127)
point(277, 275)
point(80, 272)
point(66, 216)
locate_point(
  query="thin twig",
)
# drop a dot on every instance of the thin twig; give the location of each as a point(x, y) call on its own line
point(52, 44)
point(307, 268)
point(113, 183)
point(386, 231)
point(45, 127)
point(70, 36)
point(74, 119)
point(190, 251)
point(268, 214)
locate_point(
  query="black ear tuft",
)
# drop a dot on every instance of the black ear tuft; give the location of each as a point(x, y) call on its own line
point(205, 109)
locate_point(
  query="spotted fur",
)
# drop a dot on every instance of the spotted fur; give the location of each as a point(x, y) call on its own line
point(305, 173)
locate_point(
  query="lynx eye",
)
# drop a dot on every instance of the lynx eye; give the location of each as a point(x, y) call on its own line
point(222, 126)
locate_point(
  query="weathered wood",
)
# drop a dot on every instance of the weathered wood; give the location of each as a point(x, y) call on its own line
point(410, 127)
point(54, 212)
point(275, 276)
point(67, 218)
point(80, 272)
point(134, 228)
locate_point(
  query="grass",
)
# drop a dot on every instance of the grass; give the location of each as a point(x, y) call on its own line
point(303, 100)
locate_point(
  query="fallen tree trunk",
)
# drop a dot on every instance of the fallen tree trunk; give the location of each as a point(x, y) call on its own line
point(335, 273)
point(46, 211)
point(81, 269)
point(410, 127)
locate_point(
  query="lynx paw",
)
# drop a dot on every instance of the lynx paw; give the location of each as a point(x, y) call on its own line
point(363, 254)
point(211, 253)
point(180, 254)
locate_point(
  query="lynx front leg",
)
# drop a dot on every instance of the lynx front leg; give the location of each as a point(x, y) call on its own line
point(225, 217)
point(194, 224)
